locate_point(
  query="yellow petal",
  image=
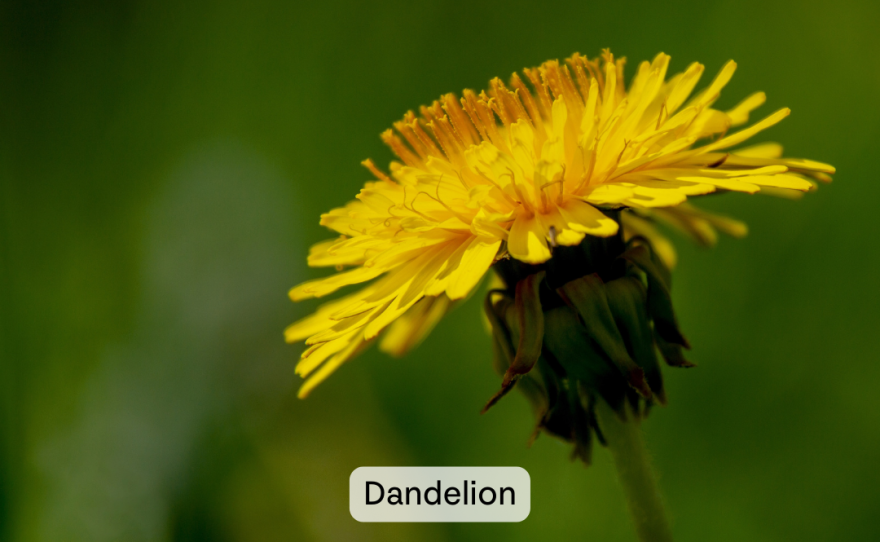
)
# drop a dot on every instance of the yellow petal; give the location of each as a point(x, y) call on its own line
point(410, 329)
point(761, 150)
point(317, 354)
point(652, 197)
point(589, 117)
point(688, 188)
point(711, 94)
point(707, 123)
point(429, 266)
point(343, 251)
point(608, 99)
point(317, 322)
point(386, 289)
point(474, 263)
point(792, 182)
point(527, 240)
point(740, 114)
point(346, 325)
point(727, 184)
point(354, 347)
point(562, 234)
point(683, 88)
point(583, 217)
point(608, 194)
point(328, 285)
point(742, 135)
point(753, 160)
point(522, 145)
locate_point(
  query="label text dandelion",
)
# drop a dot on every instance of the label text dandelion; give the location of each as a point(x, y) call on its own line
point(439, 494)
point(452, 496)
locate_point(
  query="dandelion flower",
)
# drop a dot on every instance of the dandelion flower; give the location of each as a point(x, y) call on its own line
point(555, 179)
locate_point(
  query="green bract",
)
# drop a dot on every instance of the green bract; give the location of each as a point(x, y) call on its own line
point(589, 326)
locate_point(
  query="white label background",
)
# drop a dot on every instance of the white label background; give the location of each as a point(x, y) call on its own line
point(425, 477)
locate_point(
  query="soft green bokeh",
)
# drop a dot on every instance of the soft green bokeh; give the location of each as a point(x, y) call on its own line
point(163, 167)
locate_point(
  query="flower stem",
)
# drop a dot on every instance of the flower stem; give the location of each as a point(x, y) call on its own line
point(634, 471)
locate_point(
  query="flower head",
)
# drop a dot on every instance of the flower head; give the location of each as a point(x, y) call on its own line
point(518, 173)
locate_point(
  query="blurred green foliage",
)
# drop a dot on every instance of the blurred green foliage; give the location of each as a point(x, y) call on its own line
point(162, 169)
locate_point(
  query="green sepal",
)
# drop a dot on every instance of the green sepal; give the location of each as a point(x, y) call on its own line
point(659, 298)
point(627, 300)
point(587, 296)
point(530, 332)
point(581, 429)
point(539, 395)
point(502, 339)
point(530, 318)
point(533, 385)
point(567, 344)
point(672, 353)
point(570, 341)
point(494, 312)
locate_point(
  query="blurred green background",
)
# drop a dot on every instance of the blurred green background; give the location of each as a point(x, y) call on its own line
point(163, 166)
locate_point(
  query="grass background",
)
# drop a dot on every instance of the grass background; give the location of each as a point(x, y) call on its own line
point(162, 168)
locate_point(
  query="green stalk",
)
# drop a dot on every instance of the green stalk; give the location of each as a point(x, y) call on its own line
point(634, 471)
